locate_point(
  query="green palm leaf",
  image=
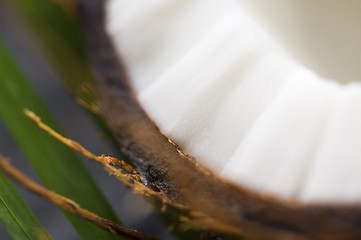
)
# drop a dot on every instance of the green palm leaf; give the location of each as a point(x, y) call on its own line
point(17, 218)
point(57, 166)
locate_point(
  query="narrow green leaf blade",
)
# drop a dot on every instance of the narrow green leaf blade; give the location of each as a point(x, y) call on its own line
point(57, 166)
point(17, 218)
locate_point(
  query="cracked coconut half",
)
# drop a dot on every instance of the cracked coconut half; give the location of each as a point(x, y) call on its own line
point(220, 87)
point(218, 116)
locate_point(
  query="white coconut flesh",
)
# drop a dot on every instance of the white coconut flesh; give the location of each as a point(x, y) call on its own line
point(223, 88)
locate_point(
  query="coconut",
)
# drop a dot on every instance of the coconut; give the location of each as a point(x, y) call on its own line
point(221, 120)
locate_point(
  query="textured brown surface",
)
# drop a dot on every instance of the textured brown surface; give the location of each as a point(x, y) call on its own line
point(178, 176)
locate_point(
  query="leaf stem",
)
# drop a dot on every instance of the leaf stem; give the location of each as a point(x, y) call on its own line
point(69, 205)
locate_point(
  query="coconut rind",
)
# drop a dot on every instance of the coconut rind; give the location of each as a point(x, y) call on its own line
point(178, 176)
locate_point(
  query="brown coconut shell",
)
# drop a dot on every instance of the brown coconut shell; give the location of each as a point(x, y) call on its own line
point(226, 208)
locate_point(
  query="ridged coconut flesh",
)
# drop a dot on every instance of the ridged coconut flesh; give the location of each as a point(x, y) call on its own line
point(227, 92)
